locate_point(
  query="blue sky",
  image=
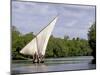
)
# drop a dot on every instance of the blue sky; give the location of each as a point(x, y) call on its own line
point(73, 20)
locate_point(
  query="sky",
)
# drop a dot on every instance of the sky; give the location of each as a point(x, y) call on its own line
point(73, 20)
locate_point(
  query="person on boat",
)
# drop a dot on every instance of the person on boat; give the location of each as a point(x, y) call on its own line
point(38, 58)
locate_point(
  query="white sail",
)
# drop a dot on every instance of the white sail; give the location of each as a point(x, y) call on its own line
point(39, 43)
point(30, 48)
point(43, 37)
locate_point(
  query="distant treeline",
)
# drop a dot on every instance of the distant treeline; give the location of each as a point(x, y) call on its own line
point(57, 47)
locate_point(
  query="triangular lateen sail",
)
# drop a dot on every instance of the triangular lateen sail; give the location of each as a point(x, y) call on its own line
point(39, 43)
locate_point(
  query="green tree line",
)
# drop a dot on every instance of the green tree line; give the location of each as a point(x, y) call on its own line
point(57, 47)
point(92, 40)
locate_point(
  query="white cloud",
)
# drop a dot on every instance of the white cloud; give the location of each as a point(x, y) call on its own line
point(70, 24)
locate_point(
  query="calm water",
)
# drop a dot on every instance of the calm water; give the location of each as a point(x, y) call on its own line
point(53, 64)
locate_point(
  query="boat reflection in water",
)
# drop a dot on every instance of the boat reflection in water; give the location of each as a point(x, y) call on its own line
point(38, 67)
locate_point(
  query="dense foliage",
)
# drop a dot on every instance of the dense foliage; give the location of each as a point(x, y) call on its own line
point(57, 47)
point(92, 40)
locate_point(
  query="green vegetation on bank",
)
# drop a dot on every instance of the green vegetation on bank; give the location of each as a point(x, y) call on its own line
point(92, 40)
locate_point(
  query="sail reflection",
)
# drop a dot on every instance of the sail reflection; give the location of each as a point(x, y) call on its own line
point(39, 67)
